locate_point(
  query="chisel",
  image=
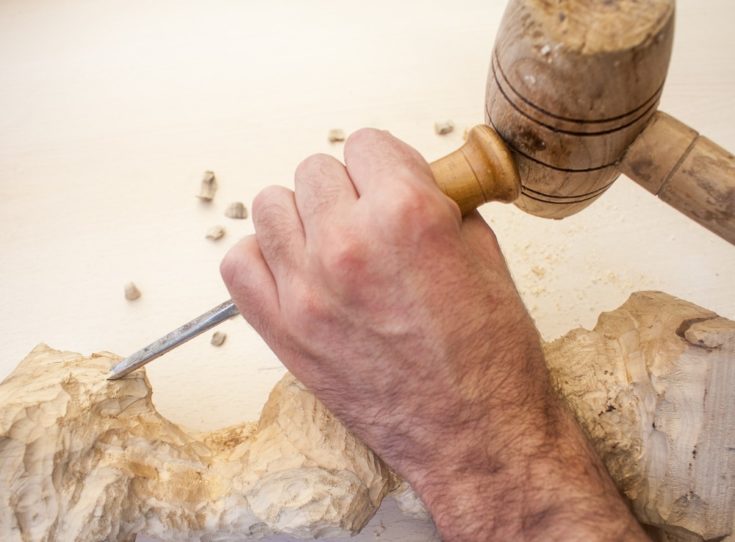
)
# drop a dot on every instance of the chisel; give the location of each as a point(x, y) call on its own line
point(178, 336)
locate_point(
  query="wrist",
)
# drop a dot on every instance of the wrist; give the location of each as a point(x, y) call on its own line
point(545, 485)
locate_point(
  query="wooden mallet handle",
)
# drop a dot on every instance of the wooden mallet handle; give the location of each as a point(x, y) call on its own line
point(686, 170)
point(481, 170)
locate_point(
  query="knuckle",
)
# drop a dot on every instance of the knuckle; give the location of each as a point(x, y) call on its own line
point(365, 136)
point(314, 167)
point(236, 262)
point(417, 210)
point(269, 202)
point(311, 306)
point(402, 155)
point(307, 311)
point(413, 165)
point(410, 203)
point(345, 258)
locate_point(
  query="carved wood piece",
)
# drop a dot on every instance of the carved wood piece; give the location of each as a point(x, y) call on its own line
point(87, 459)
point(653, 384)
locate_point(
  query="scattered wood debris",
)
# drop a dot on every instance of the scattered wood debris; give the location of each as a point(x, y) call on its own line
point(444, 128)
point(218, 338)
point(336, 135)
point(215, 233)
point(131, 291)
point(208, 186)
point(236, 210)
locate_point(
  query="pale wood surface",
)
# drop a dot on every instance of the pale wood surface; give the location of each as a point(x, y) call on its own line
point(652, 384)
point(85, 459)
point(113, 110)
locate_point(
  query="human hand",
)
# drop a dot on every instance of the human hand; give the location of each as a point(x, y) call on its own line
point(371, 289)
point(401, 317)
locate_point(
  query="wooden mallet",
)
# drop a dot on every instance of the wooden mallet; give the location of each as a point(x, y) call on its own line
point(572, 92)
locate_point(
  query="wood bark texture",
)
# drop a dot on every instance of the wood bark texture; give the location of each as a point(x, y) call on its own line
point(87, 459)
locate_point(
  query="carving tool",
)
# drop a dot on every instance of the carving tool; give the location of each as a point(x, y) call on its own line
point(188, 331)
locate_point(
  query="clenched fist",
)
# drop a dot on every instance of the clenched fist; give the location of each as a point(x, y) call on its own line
point(404, 320)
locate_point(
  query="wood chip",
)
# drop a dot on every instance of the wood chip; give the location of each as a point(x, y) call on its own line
point(218, 338)
point(215, 233)
point(444, 128)
point(336, 135)
point(236, 210)
point(131, 291)
point(208, 186)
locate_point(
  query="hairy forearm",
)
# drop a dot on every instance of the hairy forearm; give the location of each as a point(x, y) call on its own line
point(411, 331)
point(521, 484)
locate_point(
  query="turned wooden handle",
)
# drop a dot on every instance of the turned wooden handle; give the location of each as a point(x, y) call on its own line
point(688, 171)
point(481, 170)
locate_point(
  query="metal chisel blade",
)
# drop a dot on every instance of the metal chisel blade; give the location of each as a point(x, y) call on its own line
point(178, 336)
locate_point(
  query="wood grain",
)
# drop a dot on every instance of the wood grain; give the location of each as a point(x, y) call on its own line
point(480, 171)
point(686, 170)
point(570, 86)
point(86, 459)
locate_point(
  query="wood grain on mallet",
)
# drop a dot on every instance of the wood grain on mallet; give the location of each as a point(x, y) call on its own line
point(571, 84)
point(479, 171)
point(574, 84)
point(687, 171)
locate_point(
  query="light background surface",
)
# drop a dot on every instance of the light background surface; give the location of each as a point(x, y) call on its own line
point(111, 110)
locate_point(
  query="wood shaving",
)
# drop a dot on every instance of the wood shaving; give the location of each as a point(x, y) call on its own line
point(336, 135)
point(218, 338)
point(215, 233)
point(444, 128)
point(131, 291)
point(236, 210)
point(208, 187)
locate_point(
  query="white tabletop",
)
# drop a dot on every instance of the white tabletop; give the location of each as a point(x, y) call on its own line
point(112, 110)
